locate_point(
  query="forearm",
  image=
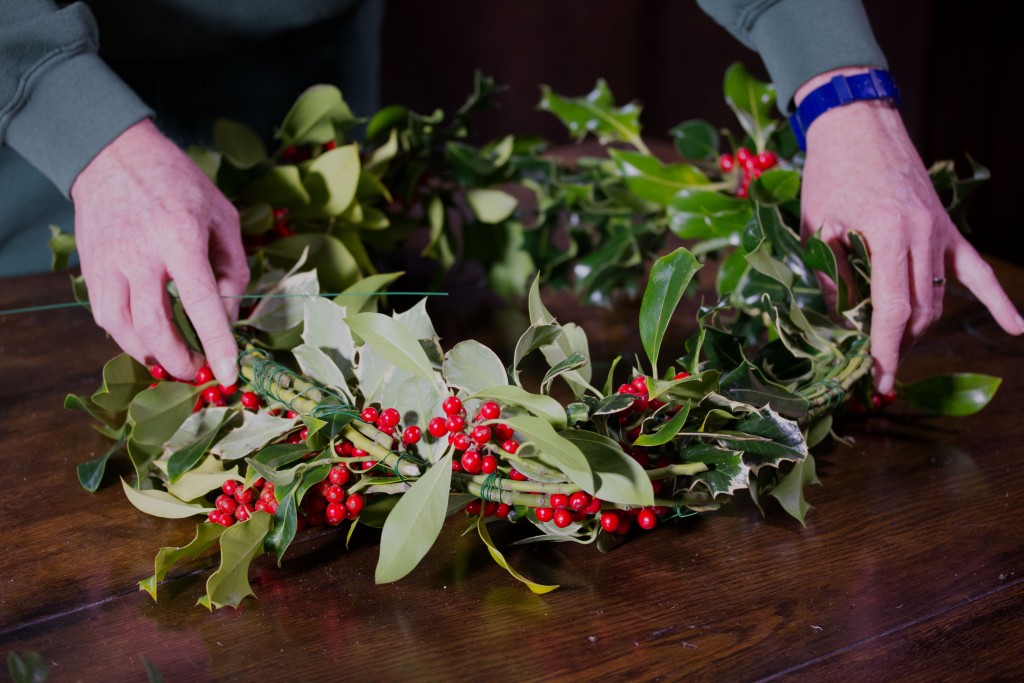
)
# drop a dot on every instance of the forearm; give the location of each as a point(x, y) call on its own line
point(60, 103)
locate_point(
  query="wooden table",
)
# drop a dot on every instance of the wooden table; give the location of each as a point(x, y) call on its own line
point(911, 564)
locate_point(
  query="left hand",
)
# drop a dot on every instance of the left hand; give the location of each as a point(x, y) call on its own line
point(862, 173)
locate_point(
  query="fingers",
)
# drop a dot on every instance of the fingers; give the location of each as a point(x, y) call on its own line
point(922, 293)
point(977, 276)
point(110, 308)
point(227, 255)
point(890, 296)
point(201, 298)
point(151, 317)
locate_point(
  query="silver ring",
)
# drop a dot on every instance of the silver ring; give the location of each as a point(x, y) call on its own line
point(938, 282)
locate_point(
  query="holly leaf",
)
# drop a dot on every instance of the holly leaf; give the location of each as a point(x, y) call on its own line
point(767, 438)
point(256, 431)
point(473, 367)
point(649, 179)
point(238, 143)
point(90, 474)
point(123, 378)
point(413, 525)
point(362, 296)
point(201, 433)
point(695, 140)
point(790, 489)
point(954, 395)
point(701, 214)
point(618, 478)
point(206, 535)
point(537, 336)
point(157, 413)
point(289, 495)
point(393, 342)
point(668, 430)
point(283, 305)
point(539, 404)
point(316, 117)
point(491, 206)
point(670, 275)
point(595, 113)
point(209, 475)
point(239, 545)
point(161, 503)
point(542, 443)
point(485, 536)
point(752, 101)
point(726, 472)
point(332, 178)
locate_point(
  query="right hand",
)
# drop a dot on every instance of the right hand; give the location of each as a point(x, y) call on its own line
point(145, 215)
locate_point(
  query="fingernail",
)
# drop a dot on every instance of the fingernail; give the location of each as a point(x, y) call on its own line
point(1020, 324)
point(224, 369)
point(886, 383)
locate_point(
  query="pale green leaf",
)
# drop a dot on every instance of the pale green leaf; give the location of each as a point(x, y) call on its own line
point(539, 404)
point(618, 478)
point(157, 413)
point(392, 341)
point(256, 431)
point(161, 503)
point(491, 206)
point(473, 367)
point(239, 545)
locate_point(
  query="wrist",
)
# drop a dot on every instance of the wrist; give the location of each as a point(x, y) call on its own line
point(841, 93)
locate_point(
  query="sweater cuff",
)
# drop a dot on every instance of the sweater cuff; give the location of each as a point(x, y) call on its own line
point(799, 39)
point(73, 111)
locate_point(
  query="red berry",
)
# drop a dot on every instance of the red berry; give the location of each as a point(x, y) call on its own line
point(198, 406)
point(510, 446)
point(559, 501)
point(743, 155)
point(876, 401)
point(214, 516)
point(563, 518)
point(544, 514)
point(473, 507)
point(204, 375)
point(640, 404)
point(488, 464)
point(503, 510)
point(329, 145)
point(610, 521)
point(334, 494)
point(260, 483)
point(368, 464)
point(461, 441)
point(303, 433)
point(640, 386)
point(456, 466)
point(244, 495)
point(437, 427)
point(452, 405)
point(501, 432)
point(226, 503)
point(228, 390)
point(389, 418)
point(516, 475)
point(359, 453)
point(889, 398)
point(335, 513)
point(294, 438)
point(481, 434)
point(726, 163)
point(647, 519)
point(455, 423)
point(626, 389)
point(263, 505)
point(229, 487)
point(682, 375)
point(490, 410)
point(766, 160)
point(250, 400)
point(579, 500)
point(370, 415)
point(354, 503)
point(243, 512)
point(226, 519)
point(159, 372)
point(471, 462)
point(212, 395)
point(412, 434)
point(654, 404)
point(593, 507)
point(338, 475)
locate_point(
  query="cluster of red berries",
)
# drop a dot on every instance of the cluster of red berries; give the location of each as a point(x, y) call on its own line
point(620, 521)
point(212, 395)
point(564, 509)
point(329, 503)
point(855, 406)
point(237, 503)
point(752, 165)
point(480, 444)
point(387, 421)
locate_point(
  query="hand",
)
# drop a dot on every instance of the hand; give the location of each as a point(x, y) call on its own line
point(862, 173)
point(145, 215)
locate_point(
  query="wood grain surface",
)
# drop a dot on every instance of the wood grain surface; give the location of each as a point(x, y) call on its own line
point(911, 564)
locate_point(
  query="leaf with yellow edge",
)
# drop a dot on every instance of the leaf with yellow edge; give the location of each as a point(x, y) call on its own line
point(538, 588)
point(206, 535)
point(239, 545)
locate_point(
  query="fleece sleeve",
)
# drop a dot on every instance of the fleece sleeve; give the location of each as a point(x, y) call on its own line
point(799, 39)
point(59, 103)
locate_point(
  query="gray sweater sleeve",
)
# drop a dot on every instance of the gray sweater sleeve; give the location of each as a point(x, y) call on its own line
point(59, 103)
point(799, 39)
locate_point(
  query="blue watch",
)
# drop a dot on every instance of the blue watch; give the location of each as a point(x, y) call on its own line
point(873, 85)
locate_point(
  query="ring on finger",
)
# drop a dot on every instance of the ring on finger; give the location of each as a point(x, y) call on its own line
point(938, 282)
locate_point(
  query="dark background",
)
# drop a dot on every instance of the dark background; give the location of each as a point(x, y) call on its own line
point(957, 64)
